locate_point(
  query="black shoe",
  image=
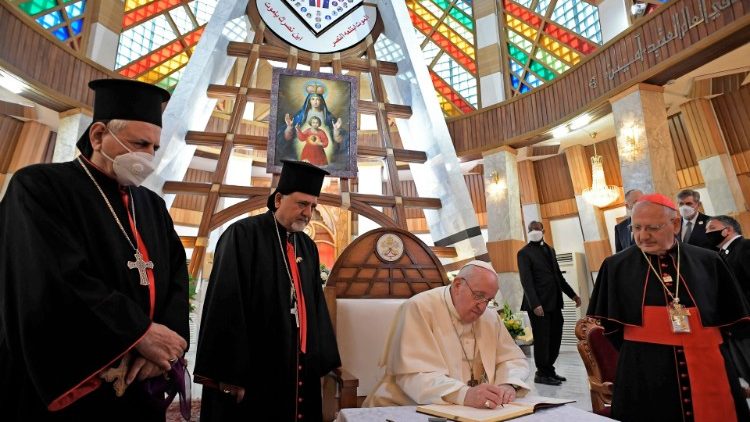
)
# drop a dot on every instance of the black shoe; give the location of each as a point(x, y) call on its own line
point(559, 377)
point(539, 379)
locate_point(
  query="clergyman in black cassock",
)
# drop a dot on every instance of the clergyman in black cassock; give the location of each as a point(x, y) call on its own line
point(263, 346)
point(70, 307)
point(543, 286)
point(672, 365)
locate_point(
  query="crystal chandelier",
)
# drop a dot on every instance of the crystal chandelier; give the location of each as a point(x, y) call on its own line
point(600, 194)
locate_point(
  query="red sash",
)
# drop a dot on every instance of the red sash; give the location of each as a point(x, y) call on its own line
point(711, 396)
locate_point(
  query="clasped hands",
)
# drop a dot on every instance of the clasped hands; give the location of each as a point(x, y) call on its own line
point(157, 350)
point(488, 396)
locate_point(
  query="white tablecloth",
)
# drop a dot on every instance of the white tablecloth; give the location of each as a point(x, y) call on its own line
point(565, 413)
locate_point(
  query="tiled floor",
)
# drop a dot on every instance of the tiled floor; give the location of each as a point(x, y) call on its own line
point(569, 365)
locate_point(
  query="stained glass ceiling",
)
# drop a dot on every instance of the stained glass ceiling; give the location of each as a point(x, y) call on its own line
point(159, 36)
point(62, 18)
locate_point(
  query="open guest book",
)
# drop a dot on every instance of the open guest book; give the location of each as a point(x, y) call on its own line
point(521, 406)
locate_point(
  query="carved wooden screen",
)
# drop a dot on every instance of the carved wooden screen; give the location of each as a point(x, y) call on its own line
point(386, 263)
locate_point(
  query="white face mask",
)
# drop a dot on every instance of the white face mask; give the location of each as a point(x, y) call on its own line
point(536, 235)
point(686, 211)
point(131, 168)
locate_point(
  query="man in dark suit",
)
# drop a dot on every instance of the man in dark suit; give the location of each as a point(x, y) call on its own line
point(693, 221)
point(623, 236)
point(725, 233)
point(543, 284)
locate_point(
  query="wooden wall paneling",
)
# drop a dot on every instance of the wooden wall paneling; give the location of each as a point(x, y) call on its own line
point(579, 164)
point(703, 131)
point(553, 179)
point(685, 157)
point(10, 131)
point(503, 255)
point(527, 183)
point(733, 113)
point(558, 209)
point(741, 161)
point(31, 146)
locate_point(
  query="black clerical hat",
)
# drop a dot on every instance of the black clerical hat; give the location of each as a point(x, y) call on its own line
point(126, 100)
point(298, 176)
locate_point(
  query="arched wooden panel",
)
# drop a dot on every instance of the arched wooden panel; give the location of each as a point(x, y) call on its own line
point(361, 273)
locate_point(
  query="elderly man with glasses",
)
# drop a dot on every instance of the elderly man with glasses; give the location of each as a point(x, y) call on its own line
point(447, 345)
point(664, 305)
point(543, 286)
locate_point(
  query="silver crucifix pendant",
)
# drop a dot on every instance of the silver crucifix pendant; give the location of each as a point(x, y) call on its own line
point(141, 266)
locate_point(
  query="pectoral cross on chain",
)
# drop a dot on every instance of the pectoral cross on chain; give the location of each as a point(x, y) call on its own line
point(141, 266)
point(294, 312)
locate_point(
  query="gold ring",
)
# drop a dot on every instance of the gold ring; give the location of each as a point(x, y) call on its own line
point(487, 404)
point(173, 360)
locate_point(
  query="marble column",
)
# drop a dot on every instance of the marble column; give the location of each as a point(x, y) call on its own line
point(715, 163)
point(595, 237)
point(505, 231)
point(644, 144)
point(72, 125)
point(489, 60)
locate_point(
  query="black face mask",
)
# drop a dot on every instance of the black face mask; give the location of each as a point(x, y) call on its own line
point(715, 237)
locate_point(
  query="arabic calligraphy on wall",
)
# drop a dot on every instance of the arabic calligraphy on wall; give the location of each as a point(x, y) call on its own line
point(653, 43)
point(319, 26)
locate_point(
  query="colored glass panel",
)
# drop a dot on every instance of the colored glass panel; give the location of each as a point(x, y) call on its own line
point(181, 19)
point(203, 10)
point(520, 41)
point(542, 71)
point(75, 10)
point(142, 39)
point(571, 33)
point(580, 17)
point(521, 28)
point(134, 4)
point(550, 60)
point(35, 7)
point(76, 26)
point(146, 11)
point(445, 30)
point(50, 20)
point(542, 6)
point(61, 33)
point(525, 3)
point(463, 82)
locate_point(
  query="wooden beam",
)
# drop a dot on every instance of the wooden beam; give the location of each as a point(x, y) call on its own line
point(258, 95)
point(280, 54)
point(235, 191)
point(216, 139)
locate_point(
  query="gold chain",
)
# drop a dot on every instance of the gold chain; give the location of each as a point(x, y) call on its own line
point(292, 294)
point(675, 296)
point(111, 210)
point(455, 330)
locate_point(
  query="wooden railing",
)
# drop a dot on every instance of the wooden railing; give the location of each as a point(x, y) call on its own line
point(681, 36)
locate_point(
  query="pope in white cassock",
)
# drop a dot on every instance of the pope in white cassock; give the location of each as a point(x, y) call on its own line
point(445, 347)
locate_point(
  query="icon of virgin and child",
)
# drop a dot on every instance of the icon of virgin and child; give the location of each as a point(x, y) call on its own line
point(313, 134)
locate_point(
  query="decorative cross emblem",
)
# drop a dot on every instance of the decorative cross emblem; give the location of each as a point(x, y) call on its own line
point(116, 375)
point(141, 266)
